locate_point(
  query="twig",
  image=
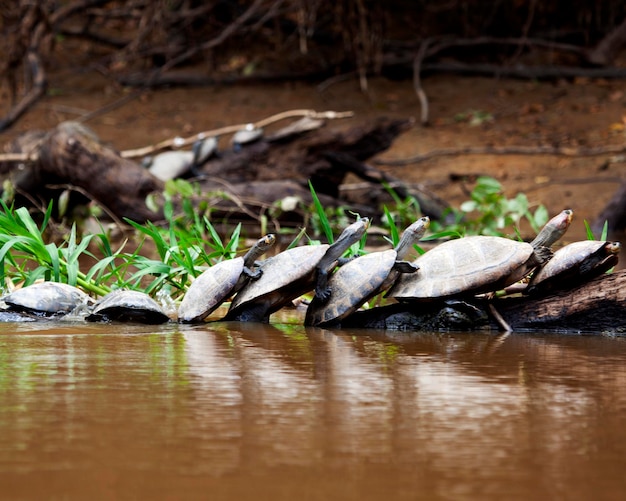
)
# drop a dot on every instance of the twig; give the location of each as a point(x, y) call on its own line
point(120, 224)
point(179, 142)
point(214, 42)
point(230, 129)
point(499, 318)
point(39, 86)
point(417, 80)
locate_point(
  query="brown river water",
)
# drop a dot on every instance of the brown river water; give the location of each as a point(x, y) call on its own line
point(284, 412)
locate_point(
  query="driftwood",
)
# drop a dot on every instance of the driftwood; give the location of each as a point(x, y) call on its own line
point(250, 180)
point(598, 306)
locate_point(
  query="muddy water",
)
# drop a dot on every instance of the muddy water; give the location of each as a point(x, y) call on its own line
point(232, 411)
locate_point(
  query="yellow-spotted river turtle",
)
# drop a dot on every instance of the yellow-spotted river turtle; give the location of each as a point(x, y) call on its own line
point(47, 299)
point(210, 289)
point(363, 278)
point(128, 306)
point(573, 264)
point(292, 273)
point(478, 264)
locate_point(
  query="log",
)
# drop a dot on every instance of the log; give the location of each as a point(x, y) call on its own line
point(598, 306)
point(253, 177)
point(72, 154)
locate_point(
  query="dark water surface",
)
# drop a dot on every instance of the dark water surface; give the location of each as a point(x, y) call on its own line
point(236, 411)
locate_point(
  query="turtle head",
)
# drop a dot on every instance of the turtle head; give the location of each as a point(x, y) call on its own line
point(416, 230)
point(411, 236)
point(613, 247)
point(354, 232)
point(554, 229)
point(266, 241)
point(203, 148)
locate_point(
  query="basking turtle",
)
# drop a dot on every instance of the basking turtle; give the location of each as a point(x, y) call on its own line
point(173, 164)
point(365, 277)
point(575, 263)
point(477, 264)
point(249, 134)
point(290, 274)
point(127, 306)
point(210, 289)
point(46, 299)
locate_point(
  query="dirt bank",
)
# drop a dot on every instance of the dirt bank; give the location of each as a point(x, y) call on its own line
point(510, 112)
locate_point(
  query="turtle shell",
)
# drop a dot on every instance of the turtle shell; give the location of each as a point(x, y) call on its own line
point(247, 135)
point(209, 290)
point(128, 306)
point(467, 265)
point(352, 285)
point(575, 263)
point(280, 281)
point(46, 299)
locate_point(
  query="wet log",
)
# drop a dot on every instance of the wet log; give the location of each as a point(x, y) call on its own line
point(597, 306)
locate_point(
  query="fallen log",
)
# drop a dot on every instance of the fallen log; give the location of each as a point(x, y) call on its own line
point(598, 306)
point(252, 177)
point(72, 154)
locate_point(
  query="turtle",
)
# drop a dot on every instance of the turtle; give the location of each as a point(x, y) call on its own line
point(216, 284)
point(249, 134)
point(573, 264)
point(478, 264)
point(127, 306)
point(365, 277)
point(290, 274)
point(296, 128)
point(47, 299)
point(173, 164)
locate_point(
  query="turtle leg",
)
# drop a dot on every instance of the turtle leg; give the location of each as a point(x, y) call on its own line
point(344, 260)
point(252, 274)
point(405, 267)
point(542, 255)
point(322, 290)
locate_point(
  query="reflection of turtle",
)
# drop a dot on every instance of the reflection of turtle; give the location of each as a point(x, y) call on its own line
point(46, 299)
point(573, 264)
point(290, 274)
point(478, 264)
point(127, 306)
point(365, 277)
point(220, 281)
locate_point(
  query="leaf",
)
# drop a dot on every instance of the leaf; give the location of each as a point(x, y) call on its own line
point(326, 228)
point(53, 254)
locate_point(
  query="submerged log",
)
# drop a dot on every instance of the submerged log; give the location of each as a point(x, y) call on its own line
point(598, 306)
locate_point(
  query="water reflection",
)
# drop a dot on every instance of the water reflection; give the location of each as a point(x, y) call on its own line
point(256, 411)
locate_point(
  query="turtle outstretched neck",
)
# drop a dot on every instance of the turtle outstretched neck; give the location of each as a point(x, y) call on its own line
point(256, 251)
point(349, 236)
point(410, 236)
point(553, 230)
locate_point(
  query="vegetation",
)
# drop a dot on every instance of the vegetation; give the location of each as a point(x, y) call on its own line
point(168, 257)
